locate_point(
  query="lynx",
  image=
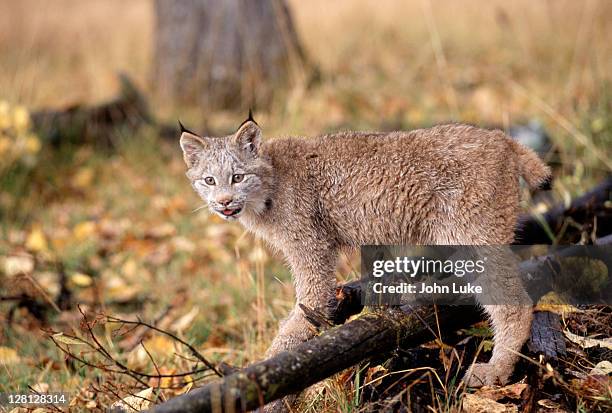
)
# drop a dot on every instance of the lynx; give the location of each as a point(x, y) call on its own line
point(310, 198)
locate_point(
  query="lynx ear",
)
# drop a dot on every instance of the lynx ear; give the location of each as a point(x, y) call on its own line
point(192, 146)
point(248, 137)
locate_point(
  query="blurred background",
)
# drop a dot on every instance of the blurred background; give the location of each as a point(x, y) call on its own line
point(94, 206)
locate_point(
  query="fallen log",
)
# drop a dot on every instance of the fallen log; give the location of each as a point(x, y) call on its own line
point(546, 336)
point(335, 350)
point(95, 124)
point(370, 335)
point(584, 210)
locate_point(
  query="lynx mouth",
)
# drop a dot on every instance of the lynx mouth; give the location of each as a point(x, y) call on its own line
point(230, 212)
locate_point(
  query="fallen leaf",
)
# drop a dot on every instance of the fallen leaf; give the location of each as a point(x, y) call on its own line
point(189, 384)
point(41, 387)
point(18, 264)
point(36, 240)
point(476, 404)
point(19, 410)
point(554, 303)
point(587, 342)
point(161, 231)
point(182, 244)
point(84, 230)
point(32, 143)
point(599, 384)
point(83, 178)
point(512, 391)
point(160, 346)
point(593, 385)
point(81, 280)
point(163, 382)
point(139, 401)
point(137, 358)
point(125, 295)
point(21, 118)
point(8, 356)
point(48, 281)
point(603, 368)
point(129, 268)
point(118, 290)
point(548, 404)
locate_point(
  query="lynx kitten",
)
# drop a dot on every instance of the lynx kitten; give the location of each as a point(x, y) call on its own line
point(310, 198)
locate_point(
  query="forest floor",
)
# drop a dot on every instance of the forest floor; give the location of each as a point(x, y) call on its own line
point(118, 231)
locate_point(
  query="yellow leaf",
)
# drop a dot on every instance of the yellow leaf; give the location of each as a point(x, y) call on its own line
point(554, 303)
point(5, 119)
point(125, 295)
point(188, 385)
point(116, 289)
point(8, 356)
point(81, 280)
point(129, 268)
point(65, 339)
point(21, 119)
point(32, 144)
point(84, 230)
point(83, 178)
point(37, 241)
point(163, 382)
point(160, 346)
point(139, 401)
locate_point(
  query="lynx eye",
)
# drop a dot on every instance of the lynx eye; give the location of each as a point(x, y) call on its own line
point(237, 178)
point(209, 180)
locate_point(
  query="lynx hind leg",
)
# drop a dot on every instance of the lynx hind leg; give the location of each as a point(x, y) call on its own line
point(511, 326)
point(510, 312)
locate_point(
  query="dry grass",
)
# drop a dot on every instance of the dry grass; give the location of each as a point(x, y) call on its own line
point(125, 220)
point(65, 52)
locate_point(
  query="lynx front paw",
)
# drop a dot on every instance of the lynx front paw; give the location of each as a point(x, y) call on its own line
point(485, 374)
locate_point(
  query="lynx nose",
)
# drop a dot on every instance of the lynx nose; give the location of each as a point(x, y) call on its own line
point(224, 199)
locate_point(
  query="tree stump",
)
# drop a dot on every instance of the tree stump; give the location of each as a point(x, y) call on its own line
point(223, 53)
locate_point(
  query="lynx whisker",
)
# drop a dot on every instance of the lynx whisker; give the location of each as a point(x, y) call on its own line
point(199, 208)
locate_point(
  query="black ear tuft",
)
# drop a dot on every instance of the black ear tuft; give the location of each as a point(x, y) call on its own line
point(249, 119)
point(184, 129)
